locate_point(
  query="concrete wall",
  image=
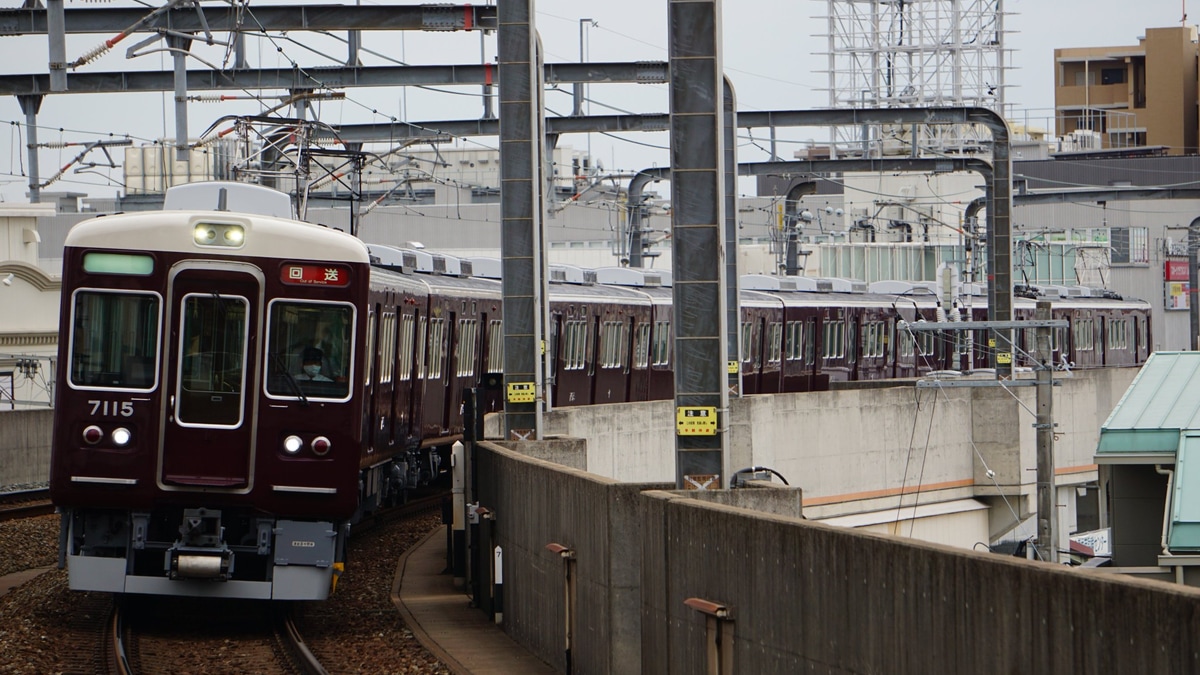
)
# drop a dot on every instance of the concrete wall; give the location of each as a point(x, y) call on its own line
point(536, 503)
point(25, 446)
point(803, 596)
point(806, 597)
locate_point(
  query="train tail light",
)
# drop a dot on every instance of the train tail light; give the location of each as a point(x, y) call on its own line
point(321, 445)
point(92, 435)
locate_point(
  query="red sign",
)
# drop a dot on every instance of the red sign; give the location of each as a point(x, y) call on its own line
point(309, 274)
point(1177, 270)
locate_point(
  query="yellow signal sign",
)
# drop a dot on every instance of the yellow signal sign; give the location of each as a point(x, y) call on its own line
point(521, 392)
point(696, 421)
point(732, 367)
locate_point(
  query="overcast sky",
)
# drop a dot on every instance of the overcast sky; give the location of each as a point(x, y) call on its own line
point(772, 52)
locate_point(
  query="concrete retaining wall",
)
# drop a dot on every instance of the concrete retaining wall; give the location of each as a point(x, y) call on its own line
point(804, 597)
point(807, 597)
point(853, 450)
point(536, 503)
point(25, 446)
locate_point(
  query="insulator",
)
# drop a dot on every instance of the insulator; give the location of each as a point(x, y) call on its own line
point(94, 54)
point(941, 314)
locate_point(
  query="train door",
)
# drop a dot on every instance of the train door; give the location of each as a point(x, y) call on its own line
point(369, 377)
point(450, 381)
point(1102, 352)
point(207, 438)
point(433, 400)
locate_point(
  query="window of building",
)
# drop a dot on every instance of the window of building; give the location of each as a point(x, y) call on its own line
point(1130, 245)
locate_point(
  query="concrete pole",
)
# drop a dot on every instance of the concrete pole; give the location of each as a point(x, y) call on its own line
point(1047, 509)
point(30, 106)
point(522, 212)
point(180, 46)
point(697, 226)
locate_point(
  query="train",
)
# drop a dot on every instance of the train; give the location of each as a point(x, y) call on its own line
point(238, 388)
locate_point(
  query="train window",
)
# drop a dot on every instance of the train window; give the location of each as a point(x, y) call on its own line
point(927, 343)
point(662, 343)
point(795, 340)
point(774, 344)
point(468, 336)
point(387, 341)
point(575, 345)
point(437, 348)
point(1143, 338)
point(835, 339)
point(407, 333)
point(422, 331)
point(641, 346)
point(908, 346)
point(747, 337)
point(309, 349)
point(114, 340)
point(370, 364)
point(612, 345)
point(1083, 335)
point(212, 373)
point(495, 347)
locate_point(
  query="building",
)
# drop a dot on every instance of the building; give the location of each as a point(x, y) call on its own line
point(1130, 96)
point(29, 298)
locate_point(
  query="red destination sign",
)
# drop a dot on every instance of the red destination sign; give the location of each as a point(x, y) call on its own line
point(1177, 270)
point(315, 275)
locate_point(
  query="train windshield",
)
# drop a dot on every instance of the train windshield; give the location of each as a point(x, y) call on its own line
point(309, 349)
point(114, 340)
point(212, 371)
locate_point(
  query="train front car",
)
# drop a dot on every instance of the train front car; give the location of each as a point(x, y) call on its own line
point(207, 431)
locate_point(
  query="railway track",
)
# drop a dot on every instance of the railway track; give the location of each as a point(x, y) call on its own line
point(25, 504)
point(147, 636)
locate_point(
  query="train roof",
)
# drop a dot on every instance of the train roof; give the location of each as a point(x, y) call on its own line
point(263, 236)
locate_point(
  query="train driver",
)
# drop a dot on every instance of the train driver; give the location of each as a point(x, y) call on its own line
point(310, 366)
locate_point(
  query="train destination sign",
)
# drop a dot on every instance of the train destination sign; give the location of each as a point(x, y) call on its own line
point(310, 274)
point(696, 421)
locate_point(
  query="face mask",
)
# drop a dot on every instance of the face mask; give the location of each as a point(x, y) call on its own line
point(312, 371)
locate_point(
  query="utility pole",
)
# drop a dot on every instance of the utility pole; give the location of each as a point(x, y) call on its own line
point(1047, 504)
point(1047, 508)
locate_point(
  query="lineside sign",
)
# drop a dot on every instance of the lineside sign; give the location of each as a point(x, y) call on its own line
point(696, 421)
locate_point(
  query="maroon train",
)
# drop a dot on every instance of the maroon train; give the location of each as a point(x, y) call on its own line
point(236, 389)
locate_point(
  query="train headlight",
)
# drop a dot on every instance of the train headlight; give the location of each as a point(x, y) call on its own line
point(121, 436)
point(321, 445)
point(206, 234)
point(292, 444)
point(219, 234)
point(92, 435)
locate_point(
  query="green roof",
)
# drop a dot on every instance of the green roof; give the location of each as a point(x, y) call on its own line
point(1162, 403)
point(1183, 534)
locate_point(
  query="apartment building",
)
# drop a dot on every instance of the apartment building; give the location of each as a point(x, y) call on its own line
point(1131, 96)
